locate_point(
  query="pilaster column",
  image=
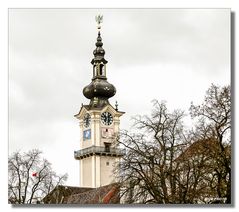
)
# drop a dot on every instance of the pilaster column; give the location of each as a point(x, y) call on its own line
point(93, 171)
point(81, 133)
point(81, 173)
point(95, 131)
point(98, 172)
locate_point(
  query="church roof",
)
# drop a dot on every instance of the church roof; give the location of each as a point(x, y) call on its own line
point(203, 146)
point(60, 194)
point(108, 194)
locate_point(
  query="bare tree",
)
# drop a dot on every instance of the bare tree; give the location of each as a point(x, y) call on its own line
point(30, 177)
point(148, 171)
point(214, 123)
point(165, 163)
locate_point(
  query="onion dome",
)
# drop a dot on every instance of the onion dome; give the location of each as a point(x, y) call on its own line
point(99, 90)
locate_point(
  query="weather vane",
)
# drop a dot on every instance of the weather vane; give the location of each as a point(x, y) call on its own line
point(99, 20)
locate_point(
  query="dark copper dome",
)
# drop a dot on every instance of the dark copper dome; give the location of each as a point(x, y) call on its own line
point(99, 88)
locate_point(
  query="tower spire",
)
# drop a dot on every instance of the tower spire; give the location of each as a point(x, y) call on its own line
point(99, 52)
point(99, 90)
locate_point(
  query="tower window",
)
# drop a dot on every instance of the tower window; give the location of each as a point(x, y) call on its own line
point(102, 70)
point(107, 163)
point(107, 147)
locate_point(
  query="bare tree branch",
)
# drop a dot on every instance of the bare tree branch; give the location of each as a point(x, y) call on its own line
point(29, 177)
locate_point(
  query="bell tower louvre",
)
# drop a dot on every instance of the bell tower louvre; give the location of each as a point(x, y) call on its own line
point(99, 125)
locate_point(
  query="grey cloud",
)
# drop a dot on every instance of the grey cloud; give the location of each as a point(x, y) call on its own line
point(152, 53)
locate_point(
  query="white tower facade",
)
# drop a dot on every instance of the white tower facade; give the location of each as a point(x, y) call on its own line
point(99, 127)
point(98, 152)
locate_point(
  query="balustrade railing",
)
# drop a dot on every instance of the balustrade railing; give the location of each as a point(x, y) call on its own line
point(99, 150)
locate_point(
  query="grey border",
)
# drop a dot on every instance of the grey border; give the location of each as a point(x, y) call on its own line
point(232, 205)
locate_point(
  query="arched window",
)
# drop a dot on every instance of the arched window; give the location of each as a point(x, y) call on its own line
point(102, 71)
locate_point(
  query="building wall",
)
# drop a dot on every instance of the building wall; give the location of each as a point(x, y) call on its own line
point(86, 172)
point(86, 143)
point(106, 170)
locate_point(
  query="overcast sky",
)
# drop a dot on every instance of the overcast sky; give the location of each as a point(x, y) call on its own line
point(163, 54)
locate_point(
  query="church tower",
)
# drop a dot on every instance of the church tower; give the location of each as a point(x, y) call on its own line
point(99, 125)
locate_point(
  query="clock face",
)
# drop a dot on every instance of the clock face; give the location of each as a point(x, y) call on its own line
point(106, 118)
point(86, 120)
point(86, 134)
